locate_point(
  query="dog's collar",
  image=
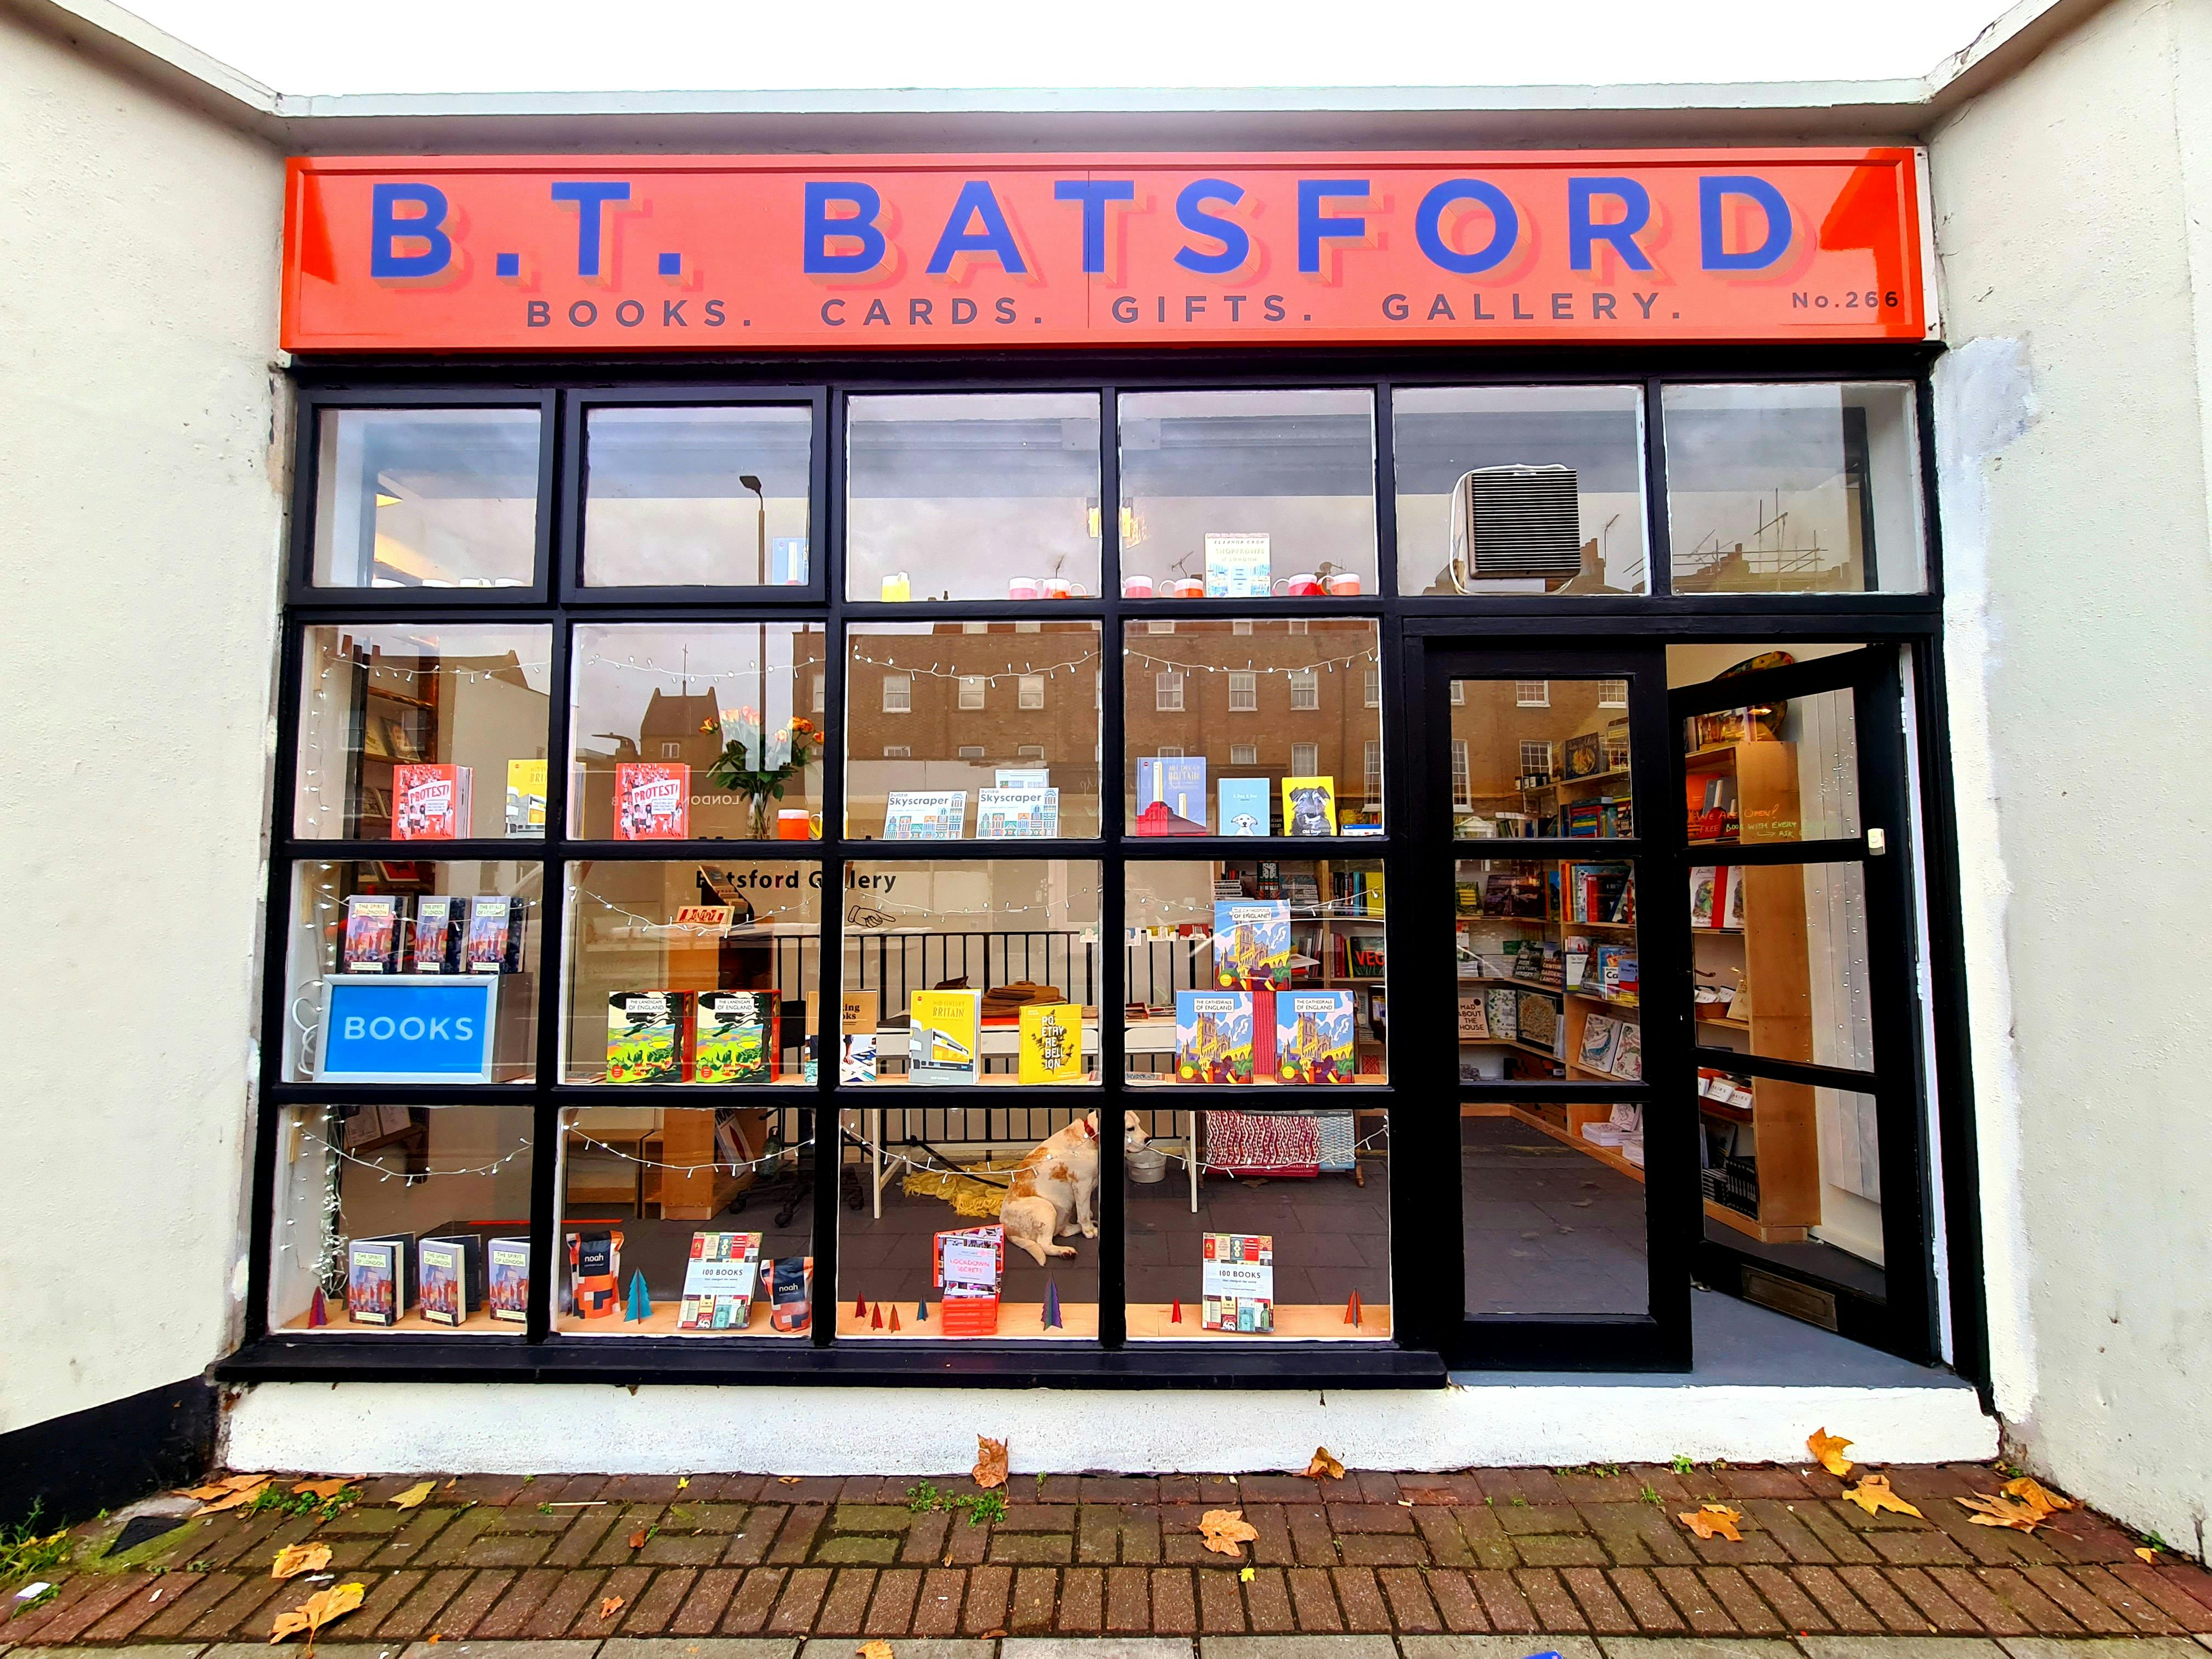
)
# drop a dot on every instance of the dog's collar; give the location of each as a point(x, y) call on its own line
point(1090, 1129)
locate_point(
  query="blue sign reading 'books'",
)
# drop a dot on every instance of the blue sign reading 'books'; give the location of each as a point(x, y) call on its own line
point(404, 1031)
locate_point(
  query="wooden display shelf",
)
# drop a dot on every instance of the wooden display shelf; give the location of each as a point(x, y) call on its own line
point(1298, 1322)
point(479, 1323)
point(1724, 1020)
point(662, 1322)
point(1605, 1001)
point(1022, 1321)
point(1592, 1072)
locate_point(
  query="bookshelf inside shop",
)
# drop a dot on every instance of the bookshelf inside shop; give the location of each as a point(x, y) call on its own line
point(1548, 986)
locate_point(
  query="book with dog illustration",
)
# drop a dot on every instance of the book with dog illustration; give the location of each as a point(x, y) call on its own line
point(1051, 1042)
point(944, 1037)
point(1309, 806)
point(1314, 1036)
point(1237, 1282)
point(734, 1038)
point(1213, 1036)
point(1251, 945)
point(719, 1282)
point(1244, 806)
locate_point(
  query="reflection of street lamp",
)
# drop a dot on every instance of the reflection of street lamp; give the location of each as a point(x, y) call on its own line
point(760, 566)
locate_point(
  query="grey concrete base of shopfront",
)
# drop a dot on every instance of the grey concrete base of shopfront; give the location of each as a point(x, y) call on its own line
point(1208, 1647)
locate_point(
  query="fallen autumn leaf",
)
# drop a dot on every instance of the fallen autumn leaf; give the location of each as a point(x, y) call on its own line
point(990, 1462)
point(1873, 1495)
point(610, 1606)
point(325, 1489)
point(1827, 1452)
point(317, 1611)
point(1713, 1521)
point(878, 1649)
point(295, 1558)
point(1323, 1464)
point(1226, 1532)
point(413, 1495)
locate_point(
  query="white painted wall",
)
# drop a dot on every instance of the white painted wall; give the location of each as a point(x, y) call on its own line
point(2074, 224)
point(137, 624)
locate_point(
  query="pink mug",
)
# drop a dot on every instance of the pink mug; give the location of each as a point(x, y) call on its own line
point(1186, 587)
point(1136, 587)
point(1059, 587)
point(1304, 585)
point(1023, 587)
point(1341, 582)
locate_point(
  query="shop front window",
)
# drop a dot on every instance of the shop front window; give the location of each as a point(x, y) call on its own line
point(697, 497)
point(426, 498)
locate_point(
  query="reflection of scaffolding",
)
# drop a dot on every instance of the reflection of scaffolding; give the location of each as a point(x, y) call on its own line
point(1709, 565)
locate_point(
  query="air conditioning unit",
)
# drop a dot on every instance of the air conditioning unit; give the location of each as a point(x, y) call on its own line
point(1510, 521)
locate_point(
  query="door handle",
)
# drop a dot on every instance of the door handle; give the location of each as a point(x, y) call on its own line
point(1877, 842)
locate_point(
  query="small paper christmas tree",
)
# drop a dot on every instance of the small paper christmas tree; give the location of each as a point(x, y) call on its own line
point(1175, 1314)
point(860, 1308)
point(1352, 1311)
point(640, 1304)
point(319, 1310)
point(1052, 1305)
point(921, 1313)
point(895, 1324)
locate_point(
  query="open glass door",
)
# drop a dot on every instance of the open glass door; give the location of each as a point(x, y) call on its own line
point(1576, 1171)
point(1795, 809)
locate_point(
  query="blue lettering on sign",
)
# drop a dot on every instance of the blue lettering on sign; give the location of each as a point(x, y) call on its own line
point(859, 225)
point(1583, 231)
point(1713, 190)
point(408, 1028)
point(387, 226)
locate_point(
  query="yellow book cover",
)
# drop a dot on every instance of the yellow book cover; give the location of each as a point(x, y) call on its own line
point(944, 1036)
point(1309, 806)
point(1052, 1042)
point(525, 798)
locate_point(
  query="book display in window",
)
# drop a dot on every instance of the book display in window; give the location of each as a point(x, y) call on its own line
point(944, 1037)
point(1051, 1042)
point(735, 1036)
point(371, 944)
point(1171, 795)
point(430, 803)
point(449, 1279)
point(379, 1285)
point(652, 802)
point(1213, 1036)
point(508, 1275)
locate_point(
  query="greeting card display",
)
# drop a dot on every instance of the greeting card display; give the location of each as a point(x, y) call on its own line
point(719, 1282)
point(966, 1267)
point(372, 934)
point(429, 803)
point(653, 801)
point(1237, 1282)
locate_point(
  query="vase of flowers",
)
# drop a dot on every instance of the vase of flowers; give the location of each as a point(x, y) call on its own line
point(758, 764)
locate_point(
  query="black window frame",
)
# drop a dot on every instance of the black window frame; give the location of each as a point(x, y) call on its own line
point(1424, 1344)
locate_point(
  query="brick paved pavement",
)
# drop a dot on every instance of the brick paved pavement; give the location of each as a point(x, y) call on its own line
point(1513, 1553)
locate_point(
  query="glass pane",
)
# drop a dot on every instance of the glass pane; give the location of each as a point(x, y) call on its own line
point(1546, 963)
point(1540, 758)
point(1240, 494)
point(1253, 728)
point(1552, 1215)
point(1782, 963)
point(942, 1248)
point(403, 970)
point(710, 732)
point(969, 971)
point(422, 733)
point(971, 729)
point(1794, 489)
point(1793, 1174)
point(715, 497)
point(1785, 770)
point(1520, 489)
point(402, 1218)
point(703, 971)
point(1255, 971)
point(975, 496)
point(685, 1222)
point(1283, 1233)
point(426, 498)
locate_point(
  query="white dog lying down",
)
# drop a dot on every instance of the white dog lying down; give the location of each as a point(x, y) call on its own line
point(1055, 1190)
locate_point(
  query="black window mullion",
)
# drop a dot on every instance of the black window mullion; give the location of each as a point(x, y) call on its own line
point(1113, 894)
point(829, 985)
point(1658, 532)
point(553, 968)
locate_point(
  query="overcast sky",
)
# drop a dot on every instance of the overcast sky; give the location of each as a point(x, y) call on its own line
point(473, 45)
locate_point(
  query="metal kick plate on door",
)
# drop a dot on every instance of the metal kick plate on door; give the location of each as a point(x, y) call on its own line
point(1787, 1296)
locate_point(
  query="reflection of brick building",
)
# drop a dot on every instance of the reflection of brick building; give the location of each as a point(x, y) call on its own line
point(1266, 704)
